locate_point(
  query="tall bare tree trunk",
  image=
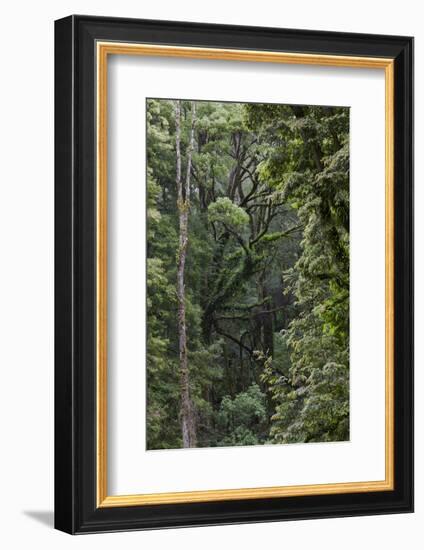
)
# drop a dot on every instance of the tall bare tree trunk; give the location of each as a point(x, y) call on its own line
point(188, 427)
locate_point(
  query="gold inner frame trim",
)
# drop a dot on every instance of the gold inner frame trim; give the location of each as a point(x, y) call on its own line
point(103, 50)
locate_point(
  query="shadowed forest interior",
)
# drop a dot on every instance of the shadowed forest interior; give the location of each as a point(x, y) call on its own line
point(247, 274)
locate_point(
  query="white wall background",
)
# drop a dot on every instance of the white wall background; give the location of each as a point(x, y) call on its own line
point(26, 273)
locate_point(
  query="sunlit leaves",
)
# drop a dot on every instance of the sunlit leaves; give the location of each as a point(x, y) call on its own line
point(225, 211)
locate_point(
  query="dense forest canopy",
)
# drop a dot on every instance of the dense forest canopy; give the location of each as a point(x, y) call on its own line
point(247, 274)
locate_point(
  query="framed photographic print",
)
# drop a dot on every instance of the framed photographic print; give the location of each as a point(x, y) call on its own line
point(234, 270)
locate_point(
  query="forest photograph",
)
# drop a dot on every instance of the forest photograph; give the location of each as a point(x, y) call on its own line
point(247, 290)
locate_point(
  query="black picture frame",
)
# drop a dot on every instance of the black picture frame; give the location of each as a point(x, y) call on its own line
point(76, 510)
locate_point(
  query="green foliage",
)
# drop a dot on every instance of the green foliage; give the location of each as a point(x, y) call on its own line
point(243, 418)
point(266, 277)
point(226, 212)
point(312, 401)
